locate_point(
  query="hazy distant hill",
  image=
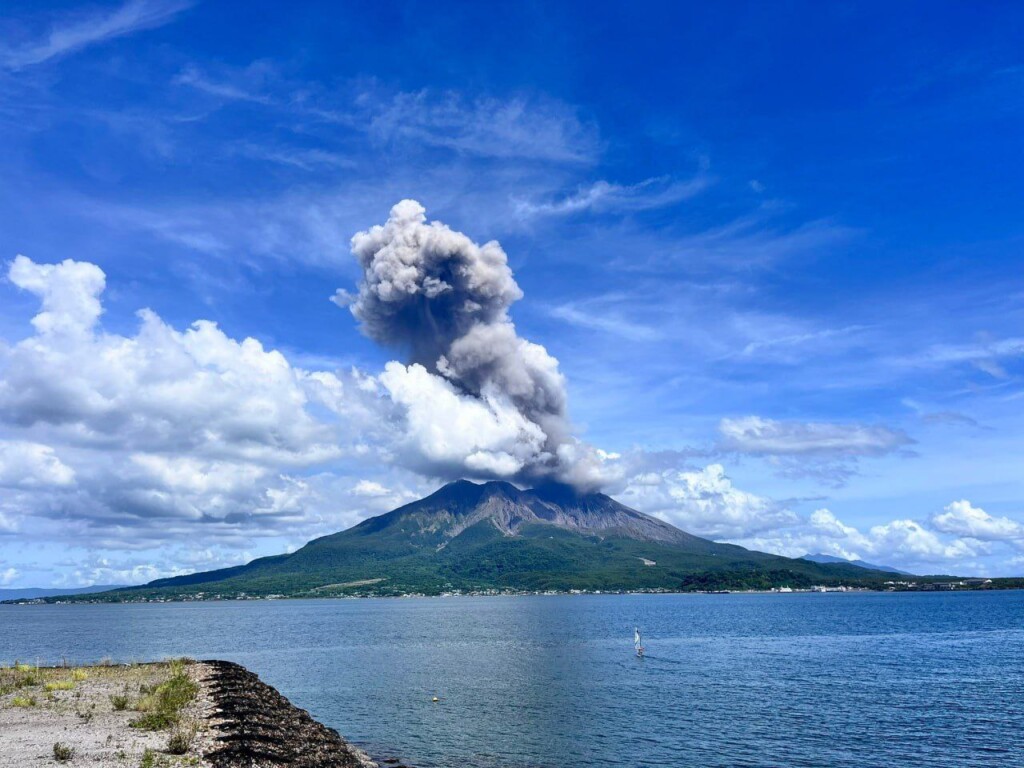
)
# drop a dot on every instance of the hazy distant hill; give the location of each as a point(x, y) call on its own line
point(30, 593)
point(820, 558)
point(496, 536)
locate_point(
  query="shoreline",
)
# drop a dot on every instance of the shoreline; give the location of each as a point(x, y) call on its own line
point(176, 714)
point(201, 598)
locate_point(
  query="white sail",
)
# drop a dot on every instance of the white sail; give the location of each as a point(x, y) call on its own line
point(636, 638)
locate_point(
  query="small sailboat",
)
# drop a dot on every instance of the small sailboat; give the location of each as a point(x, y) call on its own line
point(638, 642)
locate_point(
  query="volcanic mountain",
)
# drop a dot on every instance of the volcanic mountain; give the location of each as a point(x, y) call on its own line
point(488, 536)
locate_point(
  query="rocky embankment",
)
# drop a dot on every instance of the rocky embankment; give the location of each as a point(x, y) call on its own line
point(254, 726)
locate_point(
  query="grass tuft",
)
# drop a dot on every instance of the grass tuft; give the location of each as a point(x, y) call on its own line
point(62, 752)
point(162, 706)
point(59, 685)
point(79, 675)
point(23, 701)
point(119, 702)
point(181, 741)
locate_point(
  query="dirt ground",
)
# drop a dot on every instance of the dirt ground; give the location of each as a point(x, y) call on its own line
point(175, 714)
point(75, 707)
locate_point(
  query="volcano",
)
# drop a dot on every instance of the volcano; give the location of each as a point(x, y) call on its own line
point(494, 536)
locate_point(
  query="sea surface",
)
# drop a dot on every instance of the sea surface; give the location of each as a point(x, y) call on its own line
point(867, 680)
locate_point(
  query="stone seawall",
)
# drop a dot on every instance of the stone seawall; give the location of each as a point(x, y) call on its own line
point(254, 726)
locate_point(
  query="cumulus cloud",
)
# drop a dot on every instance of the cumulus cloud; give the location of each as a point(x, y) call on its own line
point(963, 519)
point(705, 502)
point(130, 441)
point(370, 488)
point(196, 390)
point(909, 544)
point(479, 399)
point(8, 576)
point(31, 465)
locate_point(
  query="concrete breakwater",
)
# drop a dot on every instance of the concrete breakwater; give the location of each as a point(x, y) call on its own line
point(177, 714)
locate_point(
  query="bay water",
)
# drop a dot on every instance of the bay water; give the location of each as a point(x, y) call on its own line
point(862, 680)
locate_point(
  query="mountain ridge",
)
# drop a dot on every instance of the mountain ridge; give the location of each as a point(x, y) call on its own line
point(820, 557)
point(494, 536)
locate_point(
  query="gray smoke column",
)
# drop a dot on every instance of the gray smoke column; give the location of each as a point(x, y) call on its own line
point(437, 296)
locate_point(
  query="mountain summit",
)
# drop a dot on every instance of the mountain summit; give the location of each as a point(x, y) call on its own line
point(495, 536)
point(461, 505)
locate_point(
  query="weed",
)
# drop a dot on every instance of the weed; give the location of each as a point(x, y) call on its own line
point(163, 705)
point(23, 701)
point(60, 685)
point(119, 702)
point(151, 759)
point(62, 752)
point(180, 741)
point(79, 675)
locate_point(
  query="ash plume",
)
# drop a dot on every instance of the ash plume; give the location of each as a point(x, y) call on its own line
point(443, 300)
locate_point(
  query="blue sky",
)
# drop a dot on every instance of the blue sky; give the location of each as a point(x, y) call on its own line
point(774, 248)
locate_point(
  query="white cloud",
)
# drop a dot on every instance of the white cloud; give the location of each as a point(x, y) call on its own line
point(8, 576)
point(197, 390)
point(987, 355)
point(531, 129)
point(458, 434)
point(910, 539)
point(756, 435)
point(963, 519)
point(7, 524)
point(31, 465)
point(370, 488)
point(155, 436)
point(69, 293)
point(74, 34)
point(902, 543)
point(602, 196)
point(705, 502)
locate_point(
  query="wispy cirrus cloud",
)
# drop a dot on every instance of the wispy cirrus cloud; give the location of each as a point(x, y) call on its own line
point(541, 129)
point(516, 127)
point(609, 314)
point(243, 85)
point(603, 196)
point(72, 33)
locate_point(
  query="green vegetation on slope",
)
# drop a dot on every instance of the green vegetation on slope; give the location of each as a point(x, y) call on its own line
point(494, 536)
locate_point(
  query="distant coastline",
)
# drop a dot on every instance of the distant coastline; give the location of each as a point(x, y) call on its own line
point(921, 584)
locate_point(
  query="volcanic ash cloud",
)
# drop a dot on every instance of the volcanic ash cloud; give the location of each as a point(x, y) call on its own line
point(479, 399)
